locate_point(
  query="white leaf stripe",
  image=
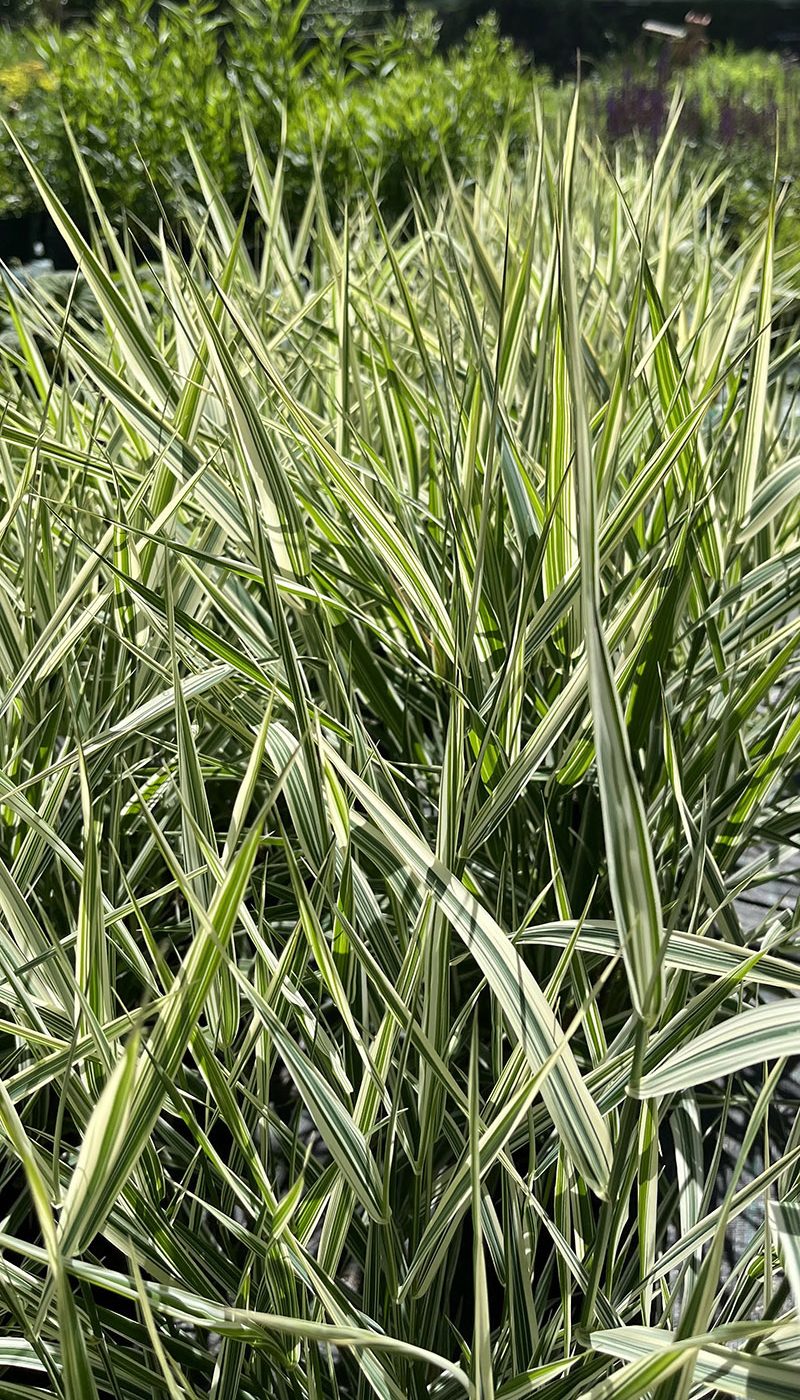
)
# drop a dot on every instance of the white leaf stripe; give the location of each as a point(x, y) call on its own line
point(528, 1014)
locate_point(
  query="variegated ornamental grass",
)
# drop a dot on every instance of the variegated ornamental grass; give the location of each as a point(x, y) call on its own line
point(398, 639)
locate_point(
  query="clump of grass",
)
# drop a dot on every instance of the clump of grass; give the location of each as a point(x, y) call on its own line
point(399, 692)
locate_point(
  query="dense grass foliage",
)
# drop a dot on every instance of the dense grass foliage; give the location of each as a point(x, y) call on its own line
point(399, 639)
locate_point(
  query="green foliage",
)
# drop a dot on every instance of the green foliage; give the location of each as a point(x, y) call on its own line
point(400, 640)
point(345, 97)
point(28, 98)
point(134, 82)
point(423, 109)
point(761, 81)
point(745, 105)
point(130, 86)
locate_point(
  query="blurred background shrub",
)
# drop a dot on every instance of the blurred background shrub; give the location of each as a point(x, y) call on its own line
point(383, 103)
point(355, 90)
